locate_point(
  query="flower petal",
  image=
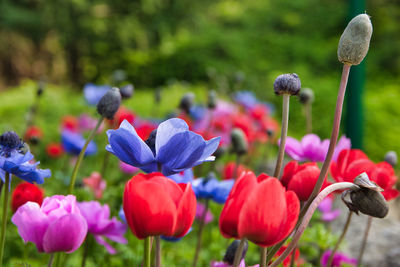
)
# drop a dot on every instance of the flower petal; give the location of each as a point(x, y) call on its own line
point(167, 129)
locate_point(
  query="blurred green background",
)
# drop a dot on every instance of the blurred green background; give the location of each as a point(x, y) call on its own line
point(208, 44)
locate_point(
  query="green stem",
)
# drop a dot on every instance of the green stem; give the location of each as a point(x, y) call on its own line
point(344, 231)
point(57, 260)
point(364, 241)
point(4, 219)
point(50, 264)
point(81, 155)
point(285, 122)
point(239, 252)
point(85, 251)
point(146, 255)
point(200, 234)
point(263, 257)
point(158, 251)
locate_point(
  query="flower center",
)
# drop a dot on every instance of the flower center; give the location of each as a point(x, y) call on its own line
point(9, 142)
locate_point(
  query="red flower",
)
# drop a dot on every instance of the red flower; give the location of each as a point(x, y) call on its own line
point(121, 115)
point(33, 134)
point(70, 123)
point(259, 209)
point(352, 162)
point(287, 261)
point(25, 192)
point(54, 150)
point(144, 130)
point(229, 170)
point(156, 205)
point(301, 178)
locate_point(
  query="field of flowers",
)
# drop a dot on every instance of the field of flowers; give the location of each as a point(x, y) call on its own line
point(114, 176)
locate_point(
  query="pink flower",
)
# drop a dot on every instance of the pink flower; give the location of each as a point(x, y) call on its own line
point(96, 184)
point(199, 213)
point(55, 226)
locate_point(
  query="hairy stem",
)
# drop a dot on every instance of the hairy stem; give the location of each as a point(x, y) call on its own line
point(307, 217)
point(239, 252)
point(364, 241)
point(285, 122)
point(81, 155)
point(344, 231)
point(4, 219)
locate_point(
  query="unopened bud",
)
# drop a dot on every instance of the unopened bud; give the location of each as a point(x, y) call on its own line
point(40, 89)
point(127, 91)
point(187, 102)
point(306, 96)
point(219, 152)
point(287, 84)
point(239, 141)
point(109, 103)
point(212, 99)
point(157, 95)
point(354, 42)
point(231, 251)
point(391, 158)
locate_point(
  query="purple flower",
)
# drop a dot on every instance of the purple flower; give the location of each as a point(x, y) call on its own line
point(338, 259)
point(325, 207)
point(73, 143)
point(224, 264)
point(172, 147)
point(101, 226)
point(55, 226)
point(213, 189)
point(311, 148)
point(199, 213)
point(93, 93)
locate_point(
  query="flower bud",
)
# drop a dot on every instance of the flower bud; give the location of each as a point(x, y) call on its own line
point(127, 91)
point(109, 103)
point(369, 202)
point(306, 96)
point(287, 84)
point(40, 89)
point(391, 158)
point(354, 42)
point(231, 251)
point(212, 99)
point(239, 142)
point(187, 102)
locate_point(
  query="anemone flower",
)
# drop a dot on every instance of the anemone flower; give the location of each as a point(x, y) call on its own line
point(311, 148)
point(211, 188)
point(338, 259)
point(73, 143)
point(101, 225)
point(171, 148)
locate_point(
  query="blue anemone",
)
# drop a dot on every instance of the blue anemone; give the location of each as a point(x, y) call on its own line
point(93, 93)
point(73, 143)
point(14, 160)
point(183, 177)
point(211, 188)
point(170, 149)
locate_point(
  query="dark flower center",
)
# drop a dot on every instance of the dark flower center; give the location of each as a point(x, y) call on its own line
point(9, 141)
point(151, 141)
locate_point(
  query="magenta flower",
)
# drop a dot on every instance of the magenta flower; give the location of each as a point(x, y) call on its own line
point(128, 169)
point(224, 264)
point(328, 214)
point(101, 226)
point(199, 213)
point(311, 148)
point(338, 259)
point(55, 226)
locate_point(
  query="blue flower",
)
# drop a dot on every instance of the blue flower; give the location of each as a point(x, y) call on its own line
point(246, 99)
point(171, 148)
point(93, 93)
point(211, 188)
point(184, 178)
point(73, 143)
point(14, 160)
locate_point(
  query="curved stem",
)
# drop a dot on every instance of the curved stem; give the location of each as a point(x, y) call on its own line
point(50, 264)
point(4, 219)
point(146, 255)
point(364, 241)
point(239, 252)
point(333, 140)
point(308, 215)
point(285, 122)
point(263, 257)
point(345, 228)
point(158, 251)
point(80, 157)
point(200, 233)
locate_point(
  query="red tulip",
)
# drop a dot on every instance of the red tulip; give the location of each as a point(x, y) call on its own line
point(301, 178)
point(54, 150)
point(383, 174)
point(259, 209)
point(156, 205)
point(25, 192)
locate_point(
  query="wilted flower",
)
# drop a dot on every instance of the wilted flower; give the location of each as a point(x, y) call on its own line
point(101, 225)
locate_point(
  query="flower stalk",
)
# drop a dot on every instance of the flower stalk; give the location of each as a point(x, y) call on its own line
point(50, 264)
point(200, 233)
point(364, 241)
point(344, 231)
point(81, 155)
point(146, 253)
point(4, 218)
point(239, 253)
point(285, 122)
point(158, 251)
point(307, 217)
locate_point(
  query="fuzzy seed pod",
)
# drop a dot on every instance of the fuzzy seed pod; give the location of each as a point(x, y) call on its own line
point(127, 91)
point(306, 96)
point(391, 158)
point(287, 84)
point(109, 103)
point(187, 102)
point(354, 42)
point(239, 142)
point(231, 251)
